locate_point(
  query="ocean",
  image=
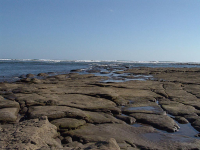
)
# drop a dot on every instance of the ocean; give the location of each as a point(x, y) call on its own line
point(12, 69)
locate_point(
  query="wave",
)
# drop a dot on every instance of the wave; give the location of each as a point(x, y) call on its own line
point(99, 61)
point(32, 60)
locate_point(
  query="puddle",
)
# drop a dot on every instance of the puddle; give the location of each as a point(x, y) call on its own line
point(137, 125)
point(157, 102)
point(171, 116)
point(117, 76)
point(141, 108)
point(185, 129)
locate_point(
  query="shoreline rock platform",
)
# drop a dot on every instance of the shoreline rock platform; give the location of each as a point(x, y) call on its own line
point(81, 111)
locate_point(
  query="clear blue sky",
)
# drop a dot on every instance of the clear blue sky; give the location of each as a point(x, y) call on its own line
point(139, 30)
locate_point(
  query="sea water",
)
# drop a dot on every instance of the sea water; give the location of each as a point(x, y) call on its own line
point(12, 69)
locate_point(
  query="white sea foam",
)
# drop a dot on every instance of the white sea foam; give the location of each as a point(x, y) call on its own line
point(101, 61)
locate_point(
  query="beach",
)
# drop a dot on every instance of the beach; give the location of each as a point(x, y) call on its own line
point(128, 108)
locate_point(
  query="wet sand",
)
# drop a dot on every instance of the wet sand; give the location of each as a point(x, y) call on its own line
point(138, 108)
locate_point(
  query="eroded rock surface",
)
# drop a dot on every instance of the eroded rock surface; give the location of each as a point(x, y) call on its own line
point(30, 134)
point(86, 113)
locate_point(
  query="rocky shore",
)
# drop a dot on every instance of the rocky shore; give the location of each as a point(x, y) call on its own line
point(81, 111)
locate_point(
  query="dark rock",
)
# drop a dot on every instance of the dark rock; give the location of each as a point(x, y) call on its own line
point(196, 124)
point(127, 119)
point(36, 81)
point(67, 140)
point(191, 118)
point(197, 135)
point(30, 75)
point(22, 76)
point(42, 75)
point(10, 97)
point(76, 145)
point(25, 80)
point(76, 70)
point(93, 71)
point(181, 120)
point(104, 72)
point(24, 110)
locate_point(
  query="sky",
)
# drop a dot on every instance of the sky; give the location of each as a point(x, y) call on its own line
point(137, 30)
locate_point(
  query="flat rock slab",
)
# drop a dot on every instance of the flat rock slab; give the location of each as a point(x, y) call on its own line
point(31, 99)
point(178, 109)
point(136, 136)
point(86, 102)
point(8, 104)
point(57, 112)
point(68, 123)
point(8, 114)
point(162, 122)
point(29, 134)
point(100, 118)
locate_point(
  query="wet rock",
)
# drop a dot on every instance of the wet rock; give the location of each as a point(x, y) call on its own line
point(162, 122)
point(30, 75)
point(181, 120)
point(76, 70)
point(25, 80)
point(93, 71)
point(127, 119)
point(148, 107)
point(68, 123)
point(104, 72)
point(197, 135)
point(42, 75)
point(132, 135)
point(30, 134)
point(8, 114)
point(84, 98)
point(22, 76)
point(77, 76)
point(119, 72)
